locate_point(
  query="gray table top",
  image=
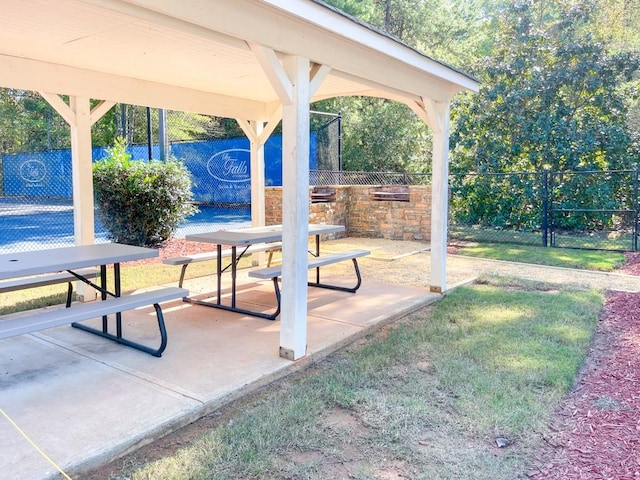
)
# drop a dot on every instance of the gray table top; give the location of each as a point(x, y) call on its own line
point(22, 264)
point(252, 235)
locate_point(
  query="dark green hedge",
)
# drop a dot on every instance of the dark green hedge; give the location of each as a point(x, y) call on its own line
point(141, 203)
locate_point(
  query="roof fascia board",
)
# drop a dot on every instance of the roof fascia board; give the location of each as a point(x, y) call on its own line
point(276, 25)
point(341, 24)
point(35, 75)
point(371, 88)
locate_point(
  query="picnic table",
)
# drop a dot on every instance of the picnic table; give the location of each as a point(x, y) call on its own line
point(67, 264)
point(240, 241)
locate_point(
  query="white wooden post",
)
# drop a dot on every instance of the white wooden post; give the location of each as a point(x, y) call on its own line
point(439, 122)
point(293, 80)
point(257, 176)
point(258, 132)
point(295, 211)
point(81, 160)
point(80, 117)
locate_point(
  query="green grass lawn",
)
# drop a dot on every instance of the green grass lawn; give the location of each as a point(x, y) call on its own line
point(427, 398)
point(557, 257)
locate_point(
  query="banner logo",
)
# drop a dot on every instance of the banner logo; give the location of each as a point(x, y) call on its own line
point(231, 166)
point(33, 171)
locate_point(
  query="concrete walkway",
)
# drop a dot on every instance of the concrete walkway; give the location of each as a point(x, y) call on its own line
point(460, 268)
point(78, 401)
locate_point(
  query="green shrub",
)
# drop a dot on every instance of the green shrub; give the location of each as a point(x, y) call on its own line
point(141, 203)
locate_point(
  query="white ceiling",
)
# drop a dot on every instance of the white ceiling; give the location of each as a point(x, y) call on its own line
point(198, 55)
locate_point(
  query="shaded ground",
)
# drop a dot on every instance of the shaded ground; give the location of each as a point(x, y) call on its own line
point(596, 433)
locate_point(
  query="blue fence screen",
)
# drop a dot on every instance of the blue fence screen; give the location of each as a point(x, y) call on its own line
point(221, 170)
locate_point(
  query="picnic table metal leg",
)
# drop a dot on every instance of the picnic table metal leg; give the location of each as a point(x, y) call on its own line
point(342, 289)
point(69, 294)
point(183, 271)
point(103, 294)
point(234, 271)
point(156, 352)
point(219, 272)
point(118, 338)
point(232, 307)
point(276, 287)
point(317, 255)
point(118, 290)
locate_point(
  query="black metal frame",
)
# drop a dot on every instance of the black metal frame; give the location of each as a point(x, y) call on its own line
point(104, 332)
point(550, 207)
point(317, 283)
point(549, 202)
point(233, 264)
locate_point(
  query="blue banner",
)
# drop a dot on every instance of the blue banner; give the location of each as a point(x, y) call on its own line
point(45, 174)
point(220, 169)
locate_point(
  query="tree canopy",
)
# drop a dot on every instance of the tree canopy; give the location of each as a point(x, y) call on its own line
point(560, 89)
point(551, 97)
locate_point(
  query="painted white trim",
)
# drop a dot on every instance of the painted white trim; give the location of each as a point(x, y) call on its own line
point(274, 71)
point(270, 125)
point(438, 113)
point(347, 28)
point(317, 75)
point(100, 110)
point(59, 106)
point(310, 30)
point(38, 76)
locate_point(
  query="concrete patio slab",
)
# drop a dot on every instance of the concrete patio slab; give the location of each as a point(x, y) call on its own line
point(84, 400)
point(74, 408)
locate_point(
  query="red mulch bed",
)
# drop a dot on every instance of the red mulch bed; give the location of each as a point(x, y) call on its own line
point(175, 248)
point(632, 264)
point(598, 427)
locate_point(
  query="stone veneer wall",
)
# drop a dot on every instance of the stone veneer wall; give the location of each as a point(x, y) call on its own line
point(355, 208)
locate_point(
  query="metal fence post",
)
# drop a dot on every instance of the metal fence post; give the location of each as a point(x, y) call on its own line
point(545, 208)
point(634, 244)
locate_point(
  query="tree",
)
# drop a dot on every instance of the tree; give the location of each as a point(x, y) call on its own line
point(384, 135)
point(550, 99)
point(619, 22)
point(380, 135)
point(29, 123)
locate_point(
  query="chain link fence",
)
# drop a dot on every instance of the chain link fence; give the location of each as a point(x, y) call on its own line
point(586, 210)
point(496, 208)
point(36, 194)
point(595, 210)
point(325, 177)
point(583, 210)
